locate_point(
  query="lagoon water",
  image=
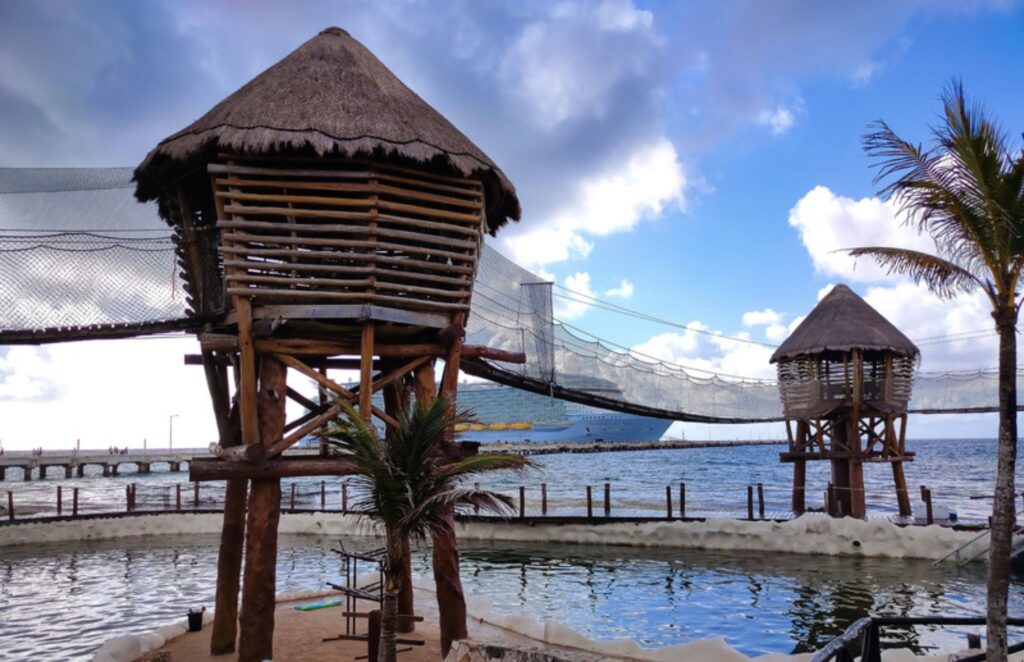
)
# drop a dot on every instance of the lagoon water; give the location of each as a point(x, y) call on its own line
point(61, 601)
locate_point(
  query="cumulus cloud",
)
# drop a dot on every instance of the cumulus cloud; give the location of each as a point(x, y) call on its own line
point(613, 201)
point(829, 223)
point(624, 290)
point(761, 317)
point(779, 121)
point(578, 300)
point(700, 348)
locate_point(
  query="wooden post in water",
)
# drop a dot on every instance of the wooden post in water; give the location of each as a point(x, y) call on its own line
point(750, 502)
point(590, 504)
point(10, 504)
point(760, 500)
point(293, 497)
point(607, 500)
point(74, 502)
point(195, 497)
point(522, 502)
point(127, 498)
point(682, 500)
point(60, 500)
point(476, 509)
point(544, 499)
point(344, 497)
point(668, 502)
point(926, 495)
point(323, 495)
point(177, 497)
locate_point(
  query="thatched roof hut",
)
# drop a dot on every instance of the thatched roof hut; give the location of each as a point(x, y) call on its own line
point(842, 322)
point(330, 97)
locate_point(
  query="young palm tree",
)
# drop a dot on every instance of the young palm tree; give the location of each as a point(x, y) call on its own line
point(967, 191)
point(410, 483)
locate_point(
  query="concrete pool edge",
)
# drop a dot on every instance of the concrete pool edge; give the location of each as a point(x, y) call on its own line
point(806, 535)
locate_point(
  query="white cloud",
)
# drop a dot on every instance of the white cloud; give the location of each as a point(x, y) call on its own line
point(777, 332)
point(779, 120)
point(761, 317)
point(702, 349)
point(578, 300)
point(829, 223)
point(613, 201)
point(624, 290)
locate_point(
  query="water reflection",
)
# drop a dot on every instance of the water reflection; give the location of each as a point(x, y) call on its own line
point(759, 603)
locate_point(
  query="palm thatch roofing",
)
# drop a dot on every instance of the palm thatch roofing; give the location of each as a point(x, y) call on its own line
point(331, 96)
point(841, 322)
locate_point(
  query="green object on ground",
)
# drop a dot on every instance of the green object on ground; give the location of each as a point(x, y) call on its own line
point(323, 604)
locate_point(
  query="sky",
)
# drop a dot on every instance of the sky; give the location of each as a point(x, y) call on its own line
point(699, 162)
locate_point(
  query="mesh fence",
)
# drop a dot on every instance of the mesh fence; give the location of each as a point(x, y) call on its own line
point(76, 250)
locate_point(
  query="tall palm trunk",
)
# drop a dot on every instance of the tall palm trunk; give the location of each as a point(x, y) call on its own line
point(389, 622)
point(1003, 505)
point(451, 601)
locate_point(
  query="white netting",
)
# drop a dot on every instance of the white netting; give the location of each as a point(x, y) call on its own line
point(76, 251)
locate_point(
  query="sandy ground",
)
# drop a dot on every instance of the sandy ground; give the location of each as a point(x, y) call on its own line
point(298, 635)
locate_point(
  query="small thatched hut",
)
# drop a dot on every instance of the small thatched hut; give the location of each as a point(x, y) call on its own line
point(844, 372)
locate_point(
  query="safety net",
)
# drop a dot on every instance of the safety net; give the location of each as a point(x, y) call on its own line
point(80, 258)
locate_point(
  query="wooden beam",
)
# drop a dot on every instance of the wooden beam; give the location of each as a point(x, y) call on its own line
point(295, 436)
point(493, 354)
point(202, 469)
point(242, 453)
point(247, 389)
point(366, 372)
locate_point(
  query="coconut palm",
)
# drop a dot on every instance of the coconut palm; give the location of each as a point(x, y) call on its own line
point(966, 190)
point(410, 484)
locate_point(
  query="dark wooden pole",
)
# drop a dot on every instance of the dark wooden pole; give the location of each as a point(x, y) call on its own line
point(668, 501)
point(229, 566)
point(522, 502)
point(476, 508)
point(760, 500)
point(177, 497)
point(344, 497)
point(543, 499)
point(926, 496)
point(293, 497)
point(10, 504)
point(750, 502)
point(195, 496)
point(74, 502)
point(590, 503)
point(607, 500)
point(799, 503)
point(323, 495)
point(60, 500)
point(682, 500)
point(256, 621)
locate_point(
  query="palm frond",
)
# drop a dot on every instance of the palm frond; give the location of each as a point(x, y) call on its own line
point(942, 277)
point(484, 462)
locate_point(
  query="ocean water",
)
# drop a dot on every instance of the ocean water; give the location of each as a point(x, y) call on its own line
point(956, 471)
point(659, 597)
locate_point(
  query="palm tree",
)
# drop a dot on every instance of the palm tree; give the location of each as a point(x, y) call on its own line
point(410, 484)
point(966, 190)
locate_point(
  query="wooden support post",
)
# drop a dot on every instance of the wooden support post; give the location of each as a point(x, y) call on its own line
point(10, 505)
point(476, 508)
point(902, 494)
point(42, 472)
point(607, 500)
point(668, 502)
point(60, 501)
point(760, 500)
point(26, 473)
point(106, 470)
point(344, 497)
point(177, 497)
point(830, 500)
point(127, 498)
point(543, 499)
point(247, 394)
point(259, 581)
point(195, 496)
point(323, 495)
point(590, 503)
point(74, 502)
point(366, 372)
point(750, 502)
point(522, 502)
point(292, 506)
point(81, 471)
point(229, 567)
point(373, 629)
point(799, 502)
point(926, 495)
point(69, 471)
point(682, 500)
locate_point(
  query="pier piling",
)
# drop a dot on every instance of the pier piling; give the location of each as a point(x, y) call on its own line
point(544, 499)
point(760, 500)
point(106, 470)
point(68, 471)
point(26, 473)
point(682, 500)
point(476, 509)
point(10, 504)
point(590, 503)
point(74, 502)
point(42, 472)
point(522, 502)
point(3, 473)
point(81, 471)
point(668, 501)
point(607, 500)
point(293, 497)
point(750, 502)
point(323, 495)
point(195, 496)
point(60, 500)
point(926, 496)
point(344, 497)
point(177, 497)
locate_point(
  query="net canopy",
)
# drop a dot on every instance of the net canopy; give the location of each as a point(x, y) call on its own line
point(80, 259)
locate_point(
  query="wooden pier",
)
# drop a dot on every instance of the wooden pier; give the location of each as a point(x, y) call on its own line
point(62, 464)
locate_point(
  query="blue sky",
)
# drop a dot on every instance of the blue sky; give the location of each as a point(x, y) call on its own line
point(697, 161)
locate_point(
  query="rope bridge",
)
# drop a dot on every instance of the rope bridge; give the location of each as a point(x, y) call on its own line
point(81, 259)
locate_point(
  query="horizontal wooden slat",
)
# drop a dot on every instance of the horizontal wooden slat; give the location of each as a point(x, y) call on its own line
point(333, 173)
point(346, 243)
point(250, 210)
point(303, 199)
point(334, 228)
point(380, 274)
point(416, 289)
point(298, 280)
point(402, 262)
point(429, 211)
point(369, 297)
point(369, 187)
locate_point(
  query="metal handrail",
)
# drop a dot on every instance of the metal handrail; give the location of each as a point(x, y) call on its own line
point(866, 630)
point(987, 532)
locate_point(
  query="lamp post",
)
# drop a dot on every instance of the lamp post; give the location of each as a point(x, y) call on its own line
point(170, 430)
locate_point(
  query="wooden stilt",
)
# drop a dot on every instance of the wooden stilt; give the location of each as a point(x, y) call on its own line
point(902, 496)
point(366, 372)
point(256, 621)
point(799, 504)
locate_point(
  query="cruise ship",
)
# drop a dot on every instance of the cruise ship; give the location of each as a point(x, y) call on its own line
point(505, 414)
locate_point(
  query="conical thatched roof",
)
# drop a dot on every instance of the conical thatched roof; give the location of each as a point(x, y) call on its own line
point(842, 321)
point(332, 96)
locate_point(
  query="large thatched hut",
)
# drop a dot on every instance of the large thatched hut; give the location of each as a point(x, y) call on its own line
point(846, 372)
point(326, 217)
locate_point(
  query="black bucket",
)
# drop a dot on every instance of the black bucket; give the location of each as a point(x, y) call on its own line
point(195, 621)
